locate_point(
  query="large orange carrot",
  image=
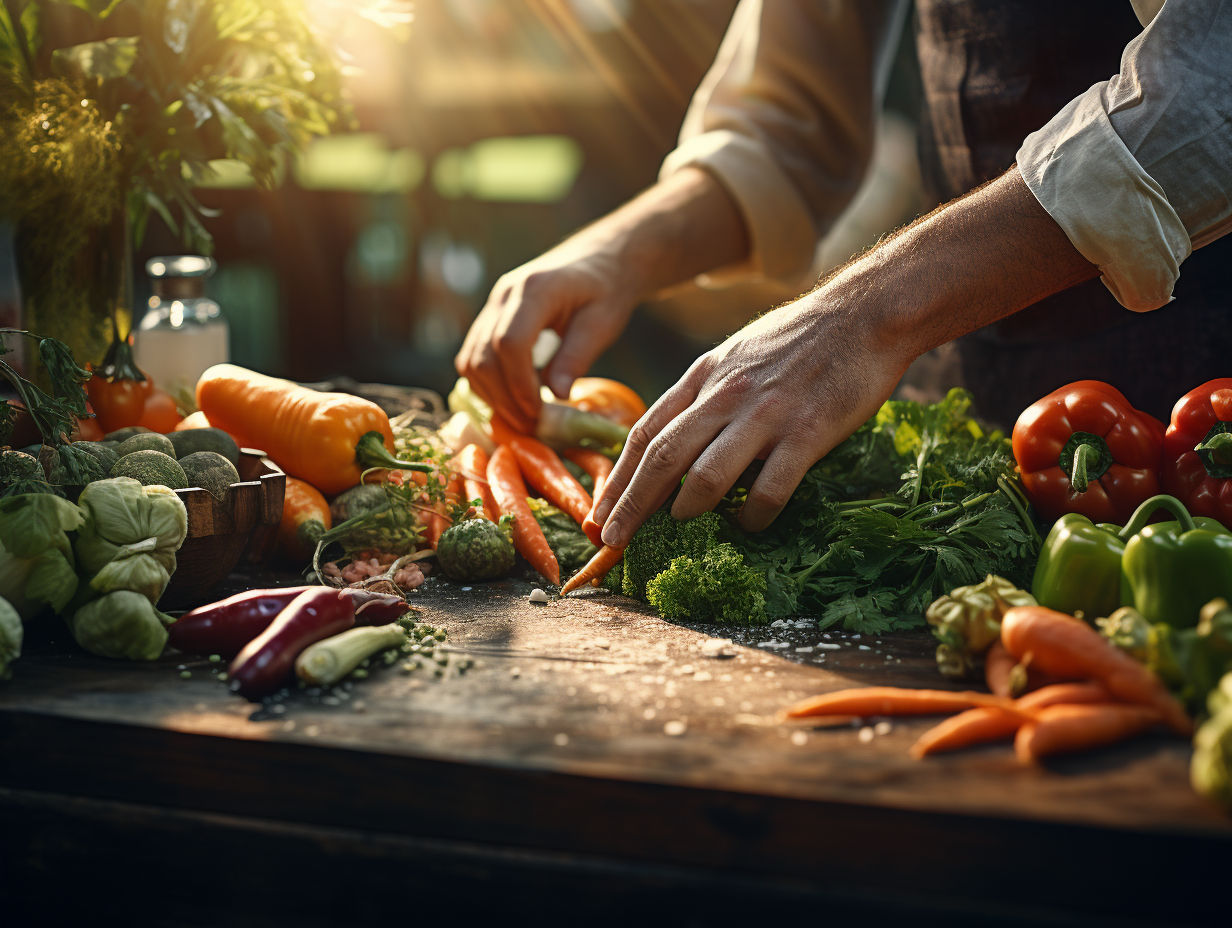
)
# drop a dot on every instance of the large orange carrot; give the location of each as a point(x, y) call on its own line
point(976, 726)
point(549, 477)
point(473, 462)
point(598, 466)
point(1063, 729)
point(1068, 648)
point(596, 568)
point(892, 700)
point(509, 491)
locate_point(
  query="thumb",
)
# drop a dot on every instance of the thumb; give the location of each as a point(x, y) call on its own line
point(589, 334)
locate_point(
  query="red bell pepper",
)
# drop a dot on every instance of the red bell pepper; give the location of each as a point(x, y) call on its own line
point(1085, 449)
point(1197, 466)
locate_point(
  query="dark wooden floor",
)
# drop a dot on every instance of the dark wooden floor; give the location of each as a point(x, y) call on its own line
point(596, 761)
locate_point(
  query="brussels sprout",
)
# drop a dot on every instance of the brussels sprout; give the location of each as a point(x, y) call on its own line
point(121, 625)
point(146, 441)
point(968, 621)
point(210, 471)
point(152, 468)
point(475, 549)
point(10, 637)
point(120, 512)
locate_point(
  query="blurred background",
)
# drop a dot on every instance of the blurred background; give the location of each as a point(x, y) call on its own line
point(488, 131)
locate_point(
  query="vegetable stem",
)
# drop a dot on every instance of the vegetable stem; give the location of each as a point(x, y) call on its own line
point(328, 661)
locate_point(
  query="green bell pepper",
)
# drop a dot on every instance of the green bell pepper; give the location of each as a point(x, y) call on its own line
point(1080, 567)
point(1172, 569)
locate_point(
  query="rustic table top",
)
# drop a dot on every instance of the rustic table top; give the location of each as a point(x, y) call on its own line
point(591, 726)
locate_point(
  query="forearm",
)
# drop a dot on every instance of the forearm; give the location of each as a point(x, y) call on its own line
point(967, 264)
point(683, 226)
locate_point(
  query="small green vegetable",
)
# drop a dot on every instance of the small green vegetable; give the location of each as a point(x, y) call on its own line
point(122, 435)
point(93, 460)
point(10, 637)
point(968, 621)
point(120, 512)
point(328, 661)
point(190, 441)
point(36, 558)
point(210, 471)
point(474, 550)
point(717, 587)
point(146, 441)
point(357, 501)
point(20, 473)
point(121, 625)
point(1210, 771)
point(151, 468)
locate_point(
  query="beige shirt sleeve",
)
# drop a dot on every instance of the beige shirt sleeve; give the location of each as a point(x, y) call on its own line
point(785, 121)
point(1138, 170)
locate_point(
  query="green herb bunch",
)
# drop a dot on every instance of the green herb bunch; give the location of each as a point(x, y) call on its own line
point(106, 103)
point(916, 502)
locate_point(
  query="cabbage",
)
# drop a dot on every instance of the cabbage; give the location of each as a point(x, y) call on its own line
point(36, 559)
point(121, 512)
point(136, 569)
point(123, 625)
point(10, 637)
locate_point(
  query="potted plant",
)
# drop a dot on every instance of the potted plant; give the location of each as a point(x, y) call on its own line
point(112, 108)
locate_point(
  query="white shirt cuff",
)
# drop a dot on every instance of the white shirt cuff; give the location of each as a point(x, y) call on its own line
point(1115, 213)
point(781, 234)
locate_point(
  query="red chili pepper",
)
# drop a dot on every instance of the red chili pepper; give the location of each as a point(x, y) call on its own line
point(226, 626)
point(1197, 466)
point(1085, 449)
point(373, 608)
point(267, 660)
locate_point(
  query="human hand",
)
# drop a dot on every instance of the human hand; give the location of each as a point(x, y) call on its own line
point(787, 388)
point(578, 289)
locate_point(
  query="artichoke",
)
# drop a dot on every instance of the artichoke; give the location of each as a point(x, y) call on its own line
point(474, 549)
point(968, 621)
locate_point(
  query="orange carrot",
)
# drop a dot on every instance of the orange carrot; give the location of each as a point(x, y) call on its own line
point(975, 726)
point(550, 478)
point(598, 466)
point(435, 525)
point(1067, 728)
point(892, 700)
point(509, 491)
point(502, 431)
point(473, 461)
point(596, 568)
point(1068, 648)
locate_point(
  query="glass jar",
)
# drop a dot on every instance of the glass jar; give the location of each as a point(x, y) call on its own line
point(184, 331)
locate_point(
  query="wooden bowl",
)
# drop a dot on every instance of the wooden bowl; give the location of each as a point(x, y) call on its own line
point(241, 529)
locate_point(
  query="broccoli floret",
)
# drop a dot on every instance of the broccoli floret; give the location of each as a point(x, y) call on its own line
point(717, 587)
point(661, 539)
point(614, 581)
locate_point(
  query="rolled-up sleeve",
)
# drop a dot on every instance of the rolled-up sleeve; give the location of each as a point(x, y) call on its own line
point(1138, 170)
point(784, 120)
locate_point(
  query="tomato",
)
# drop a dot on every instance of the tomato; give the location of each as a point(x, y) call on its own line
point(118, 403)
point(608, 398)
point(161, 414)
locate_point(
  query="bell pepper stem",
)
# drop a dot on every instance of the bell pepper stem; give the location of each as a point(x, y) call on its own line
point(370, 451)
point(1137, 522)
point(1084, 456)
point(1220, 446)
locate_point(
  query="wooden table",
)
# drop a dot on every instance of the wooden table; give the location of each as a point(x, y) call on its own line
point(597, 761)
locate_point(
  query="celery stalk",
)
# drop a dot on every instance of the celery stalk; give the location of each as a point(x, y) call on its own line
point(328, 661)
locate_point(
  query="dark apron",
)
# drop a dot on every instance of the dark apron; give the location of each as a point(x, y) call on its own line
point(994, 71)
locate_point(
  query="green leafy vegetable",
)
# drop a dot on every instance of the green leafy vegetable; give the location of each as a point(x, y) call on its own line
point(36, 559)
point(10, 638)
point(717, 587)
point(122, 625)
point(564, 536)
point(916, 502)
point(120, 512)
point(1210, 771)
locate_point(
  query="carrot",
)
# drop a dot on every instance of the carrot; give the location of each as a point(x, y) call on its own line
point(473, 461)
point(311, 435)
point(598, 466)
point(305, 517)
point(1068, 648)
point(596, 568)
point(975, 726)
point(509, 491)
point(550, 478)
point(892, 700)
point(437, 521)
point(502, 431)
point(1066, 728)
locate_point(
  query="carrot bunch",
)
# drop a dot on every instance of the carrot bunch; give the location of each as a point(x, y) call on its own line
point(1085, 693)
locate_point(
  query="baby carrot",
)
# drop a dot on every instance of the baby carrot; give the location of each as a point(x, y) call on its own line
point(1068, 648)
point(473, 462)
point(509, 491)
point(596, 568)
point(1067, 728)
point(550, 478)
point(976, 726)
point(892, 700)
point(598, 466)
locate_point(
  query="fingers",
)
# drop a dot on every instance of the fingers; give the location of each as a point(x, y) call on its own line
point(782, 473)
point(589, 334)
point(666, 408)
point(718, 467)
